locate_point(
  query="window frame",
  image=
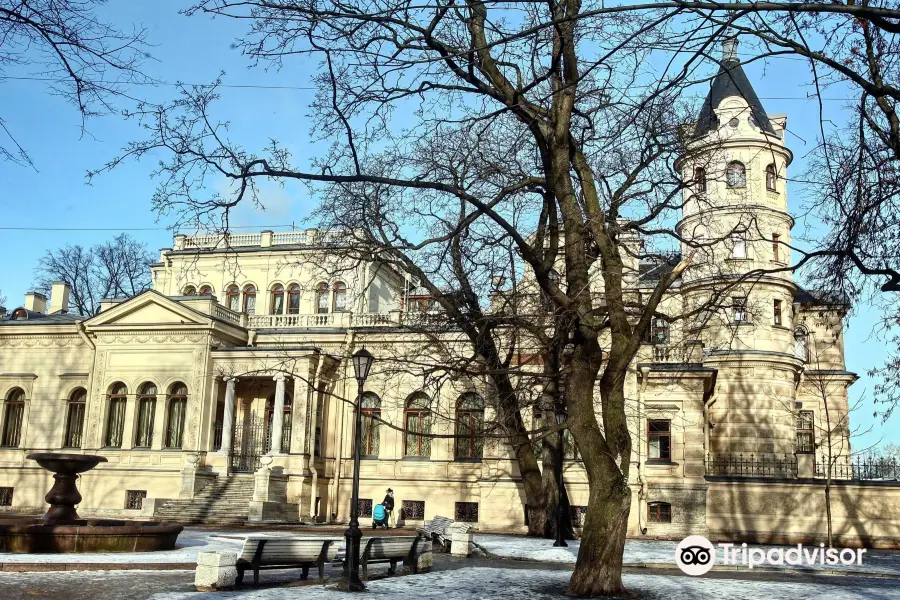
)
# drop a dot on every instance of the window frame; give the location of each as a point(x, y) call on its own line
point(189, 290)
point(175, 396)
point(293, 291)
point(423, 416)
point(13, 408)
point(777, 312)
point(233, 298)
point(659, 435)
point(278, 293)
point(469, 406)
point(805, 417)
point(739, 240)
point(205, 290)
point(733, 169)
point(776, 248)
point(700, 179)
point(771, 178)
point(370, 441)
point(144, 397)
point(339, 289)
point(323, 292)
point(248, 294)
point(122, 398)
point(739, 312)
point(659, 512)
point(77, 398)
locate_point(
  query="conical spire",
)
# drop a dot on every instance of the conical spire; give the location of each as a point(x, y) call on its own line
point(730, 81)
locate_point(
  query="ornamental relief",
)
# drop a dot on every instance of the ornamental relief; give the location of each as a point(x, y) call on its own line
point(44, 341)
point(93, 437)
point(159, 338)
point(196, 398)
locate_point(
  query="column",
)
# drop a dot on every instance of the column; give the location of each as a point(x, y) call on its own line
point(228, 416)
point(278, 415)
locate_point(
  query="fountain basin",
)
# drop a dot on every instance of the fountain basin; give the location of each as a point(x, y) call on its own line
point(91, 535)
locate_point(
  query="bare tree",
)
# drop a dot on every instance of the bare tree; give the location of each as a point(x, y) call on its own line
point(531, 154)
point(118, 268)
point(80, 57)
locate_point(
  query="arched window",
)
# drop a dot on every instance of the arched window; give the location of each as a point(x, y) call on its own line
point(146, 412)
point(206, 290)
point(322, 298)
point(801, 343)
point(276, 307)
point(75, 418)
point(233, 298)
point(115, 419)
point(736, 175)
point(13, 415)
point(190, 291)
point(700, 179)
point(285, 423)
point(371, 410)
point(770, 178)
point(469, 426)
point(175, 413)
point(294, 299)
point(417, 425)
point(659, 512)
point(340, 296)
point(250, 300)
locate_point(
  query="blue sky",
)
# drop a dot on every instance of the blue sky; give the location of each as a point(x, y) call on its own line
point(196, 50)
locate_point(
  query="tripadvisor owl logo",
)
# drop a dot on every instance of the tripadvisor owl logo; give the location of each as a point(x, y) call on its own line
point(695, 555)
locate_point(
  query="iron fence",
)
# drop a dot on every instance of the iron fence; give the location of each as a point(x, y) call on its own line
point(251, 439)
point(744, 465)
point(860, 469)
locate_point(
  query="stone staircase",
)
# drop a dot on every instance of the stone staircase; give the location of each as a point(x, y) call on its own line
point(225, 500)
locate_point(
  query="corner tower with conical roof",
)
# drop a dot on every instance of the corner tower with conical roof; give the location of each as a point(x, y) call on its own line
point(736, 227)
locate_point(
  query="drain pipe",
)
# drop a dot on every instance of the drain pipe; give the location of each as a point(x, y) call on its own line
point(314, 418)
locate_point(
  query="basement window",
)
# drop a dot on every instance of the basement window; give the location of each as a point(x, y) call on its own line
point(134, 499)
point(659, 512)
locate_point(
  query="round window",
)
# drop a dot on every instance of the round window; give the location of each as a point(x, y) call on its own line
point(734, 122)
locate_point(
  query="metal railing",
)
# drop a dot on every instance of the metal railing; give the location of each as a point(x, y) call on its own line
point(749, 465)
point(860, 469)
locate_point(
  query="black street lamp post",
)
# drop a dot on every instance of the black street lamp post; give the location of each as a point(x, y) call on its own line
point(560, 534)
point(362, 362)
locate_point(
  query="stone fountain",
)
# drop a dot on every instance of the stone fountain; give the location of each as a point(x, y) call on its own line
point(62, 530)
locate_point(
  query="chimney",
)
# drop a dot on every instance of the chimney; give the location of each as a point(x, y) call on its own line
point(36, 302)
point(729, 50)
point(2, 311)
point(59, 297)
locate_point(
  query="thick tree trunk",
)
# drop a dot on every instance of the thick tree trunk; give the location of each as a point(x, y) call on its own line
point(598, 571)
point(552, 493)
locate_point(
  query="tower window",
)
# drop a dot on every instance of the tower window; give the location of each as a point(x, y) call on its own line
point(776, 247)
point(700, 179)
point(770, 178)
point(739, 309)
point(739, 245)
point(776, 311)
point(805, 434)
point(736, 175)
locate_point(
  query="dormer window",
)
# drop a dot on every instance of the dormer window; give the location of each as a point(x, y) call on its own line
point(736, 174)
point(770, 178)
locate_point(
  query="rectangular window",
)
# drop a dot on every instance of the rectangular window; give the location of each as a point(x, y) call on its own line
point(134, 499)
point(466, 512)
point(659, 440)
point(739, 309)
point(413, 510)
point(418, 433)
point(659, 512)
point(776, 311)
point(115, 423)
point(805, 435)
point(6, 494)
point(776, 247)
point(739, 245)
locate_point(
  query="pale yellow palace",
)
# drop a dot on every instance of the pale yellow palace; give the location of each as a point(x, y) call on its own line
point(225, 393)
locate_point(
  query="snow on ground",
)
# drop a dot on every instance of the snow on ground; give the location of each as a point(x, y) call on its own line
point(490, 583)
point(653, 551)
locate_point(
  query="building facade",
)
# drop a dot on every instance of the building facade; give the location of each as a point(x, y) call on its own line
point(225, 393)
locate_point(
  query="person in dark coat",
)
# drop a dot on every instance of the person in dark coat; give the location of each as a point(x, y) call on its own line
point(388, 504)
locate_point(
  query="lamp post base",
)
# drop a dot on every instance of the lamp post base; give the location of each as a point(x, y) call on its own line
point(352, 582)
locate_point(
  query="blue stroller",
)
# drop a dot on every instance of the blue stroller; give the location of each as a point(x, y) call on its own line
point(379, 517)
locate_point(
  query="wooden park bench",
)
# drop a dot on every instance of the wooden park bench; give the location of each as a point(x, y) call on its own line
point(285, 553)
point(391, 550)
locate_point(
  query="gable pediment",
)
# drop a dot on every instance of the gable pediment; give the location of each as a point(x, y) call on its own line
point(150, 308)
